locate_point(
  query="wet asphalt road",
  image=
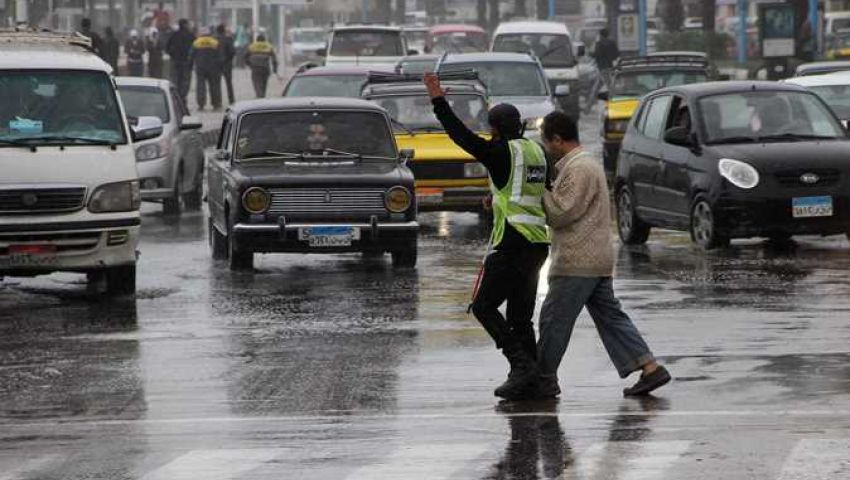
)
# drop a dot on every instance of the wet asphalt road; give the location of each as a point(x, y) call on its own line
point(336, 367)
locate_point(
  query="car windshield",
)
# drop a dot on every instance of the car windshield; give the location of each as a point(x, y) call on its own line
point(418, 65)
point(459, 42)
point(837, 97)
point(309, 36)
point(44, 107)
point(315, 133)
point(638, 84)
point(840, 24)
point(415, 112)
point(144, 102)
point(754, 116)
point(326, 86)
point(553, 50)
point(367, 43)
point(506, 79)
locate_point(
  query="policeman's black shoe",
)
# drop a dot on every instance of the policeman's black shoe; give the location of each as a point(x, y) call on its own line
point(547, 387)
point(522, 381)
point(647, 383)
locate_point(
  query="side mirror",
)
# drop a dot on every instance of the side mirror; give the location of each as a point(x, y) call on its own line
point(412, 51)
point(146, 128)
point(322, 52)
point(406, 155)
point(562, 90)
point(191, 123)
point(581, 50)
point(680, 136)
point(604, 96)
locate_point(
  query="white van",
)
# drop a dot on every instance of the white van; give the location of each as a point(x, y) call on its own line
point(69, 191)
point(551, 43)
point(366, 45)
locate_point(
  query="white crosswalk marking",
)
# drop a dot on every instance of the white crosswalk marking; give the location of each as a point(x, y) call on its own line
point(818, 460)
point(627, 460)
point(422, 462)
point(27, 468)
point(214, 464)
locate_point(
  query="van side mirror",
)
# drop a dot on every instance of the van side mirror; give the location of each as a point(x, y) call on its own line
point(406, 155)
point(562, 90)
point(680, 136)
point(146, 128)
point(604, 96)
point(191, 123)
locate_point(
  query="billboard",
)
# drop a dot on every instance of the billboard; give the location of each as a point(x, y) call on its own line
point(778, 23)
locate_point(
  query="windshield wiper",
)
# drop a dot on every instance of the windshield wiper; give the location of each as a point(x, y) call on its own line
point(334, 151)
point(795, 136)
point(16, 143)
point(66, 138)
point(402, 126)
point(733, 140)
point(271, 154)
point(552, 50)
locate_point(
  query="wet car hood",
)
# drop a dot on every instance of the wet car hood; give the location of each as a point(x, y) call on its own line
point(274, 172)
point(774, 156)
point(529, 107)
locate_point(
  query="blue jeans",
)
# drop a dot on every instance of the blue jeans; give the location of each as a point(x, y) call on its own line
point(567, 296)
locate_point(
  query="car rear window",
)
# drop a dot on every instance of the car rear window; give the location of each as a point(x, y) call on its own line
point(514, 79)
point(144, 102)
point(367, 43)
point(326, 86)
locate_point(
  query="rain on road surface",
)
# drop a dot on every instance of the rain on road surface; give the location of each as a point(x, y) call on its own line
point(338, 367)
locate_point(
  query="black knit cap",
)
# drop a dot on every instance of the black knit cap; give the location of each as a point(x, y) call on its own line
point(506, 119)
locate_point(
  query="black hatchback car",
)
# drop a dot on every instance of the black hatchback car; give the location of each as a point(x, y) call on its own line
point(310, 175)
point(733, 160)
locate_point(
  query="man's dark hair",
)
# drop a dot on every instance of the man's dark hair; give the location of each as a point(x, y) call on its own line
point(506, 120)
point(85, 23)
point(183, 24)
point(560, 124)
point(220, 29)
point(603, 33)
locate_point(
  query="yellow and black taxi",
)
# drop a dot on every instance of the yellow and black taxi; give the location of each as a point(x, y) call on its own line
point(635, 77)
point(447, 178)
point(839, 47)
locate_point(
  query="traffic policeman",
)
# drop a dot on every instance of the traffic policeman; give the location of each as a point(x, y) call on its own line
point(262, 60)
point(207, 56)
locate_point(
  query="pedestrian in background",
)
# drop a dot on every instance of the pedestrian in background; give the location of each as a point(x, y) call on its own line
point(262, 61)
point(154, 47)
point(582, 266)
point(110, 49)
point(179, 47)
point(605, 54)
point(228, 52)
point(207, 58)
point(134, 49)
point(86, 31)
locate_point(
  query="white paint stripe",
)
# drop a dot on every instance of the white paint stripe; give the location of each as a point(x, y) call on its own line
point(435, 461)
point(27, 469)
point(531, 201)
point(222, 464)
point(818, 460)
point(519, 170)
point(527, 219)
point(627, 460)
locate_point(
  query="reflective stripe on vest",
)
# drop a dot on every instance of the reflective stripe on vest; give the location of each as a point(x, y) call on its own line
point(520, 202)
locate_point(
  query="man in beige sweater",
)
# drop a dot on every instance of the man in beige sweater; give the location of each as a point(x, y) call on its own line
point(582, 266)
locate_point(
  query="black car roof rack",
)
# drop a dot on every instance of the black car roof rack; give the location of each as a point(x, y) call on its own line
point(30, 36)
point(674, 60)
point(468, 74)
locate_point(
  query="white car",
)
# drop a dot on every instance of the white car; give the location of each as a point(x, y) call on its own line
point(170, 166)
point(552, 44)
point(303, 44)
point(365, 45)
point(69, 192)
point(833, 88)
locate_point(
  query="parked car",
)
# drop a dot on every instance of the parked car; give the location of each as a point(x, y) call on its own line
point(838, 47)
point(365, 45)
point(417, 64)
point(634, 77)
point(833, 88)
point(171, 165)
point(456, 38)
point(304, 43)
point(447, 178)
point(514, 78)
point(820, 68)
point(69, 191)
point(551, 43)
point(728, 160)
point(310, 175)
point(329, 81)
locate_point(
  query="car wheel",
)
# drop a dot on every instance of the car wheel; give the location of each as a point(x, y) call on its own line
point(406, 257)
point(218, 242)
point(194, 200)
point(703, 227)
point(171, 206)
point(120, 280)
point(632, 230)
point(238, 258)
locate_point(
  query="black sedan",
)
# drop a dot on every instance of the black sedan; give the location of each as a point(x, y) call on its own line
point(318, 175)
point(733, 160)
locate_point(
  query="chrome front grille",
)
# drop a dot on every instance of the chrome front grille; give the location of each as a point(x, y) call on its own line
point(41, 199)
point(330, 201)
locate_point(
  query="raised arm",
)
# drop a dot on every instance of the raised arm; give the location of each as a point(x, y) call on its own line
point(465, 138)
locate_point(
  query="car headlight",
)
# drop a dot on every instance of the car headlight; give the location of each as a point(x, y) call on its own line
point(152, 151)
point(116, 197)
point(474, 170)
point(617, 126)
point(398, 199)
point(742, 175)
point(256, 200)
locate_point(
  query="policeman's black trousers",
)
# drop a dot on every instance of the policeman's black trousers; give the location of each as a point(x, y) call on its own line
point(260, 79)
point(510, 275)
point(228, 83)
point(181, 76)
point(211, 80)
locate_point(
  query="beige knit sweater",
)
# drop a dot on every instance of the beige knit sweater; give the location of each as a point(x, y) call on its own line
point(578, 212)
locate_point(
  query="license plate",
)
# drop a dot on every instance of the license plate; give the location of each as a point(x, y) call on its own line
point(27, 259)
point(329, 236)
point(429, 196)
point(808, 207)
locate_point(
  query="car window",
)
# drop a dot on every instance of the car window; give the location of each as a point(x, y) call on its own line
point(224, 134)
point(41, 106)
point(415, 112)
point(145, 102)
point(680, 114)
point(308, 36)
point(837, 97)
point(315, 133)
point(326, 86)
point(459, 42)
point(508, 79)
point(656, 116)
point(367, 43)
point(553, 50)
point(638, 84)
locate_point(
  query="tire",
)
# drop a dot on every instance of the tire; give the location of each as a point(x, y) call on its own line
point(218, 242)
point(632, 230)
point(703, 227)
point(238, 259)
point(172, 206)
point(405, 258)
point(121, 280)
point(194, 200)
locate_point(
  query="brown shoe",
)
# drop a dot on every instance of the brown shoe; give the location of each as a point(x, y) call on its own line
point(647, 383)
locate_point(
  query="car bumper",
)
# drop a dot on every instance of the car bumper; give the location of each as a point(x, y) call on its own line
point(456, 199)
point(757, 217)
point(285, 238)
point(79, 246)
point(155, 178)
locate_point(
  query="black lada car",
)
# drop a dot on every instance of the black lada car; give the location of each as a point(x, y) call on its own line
point(310, 175)
point(732, 160)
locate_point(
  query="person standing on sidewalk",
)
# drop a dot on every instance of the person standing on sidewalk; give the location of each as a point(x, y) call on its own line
point(228, 51)
point(86, 31)
point(179, 47)
point(110, 49)
point(519, 242)
point(582, 266)
point(262, 60)
point(207, 57)
point(134, 48)
point(154, 47)
point(605, 54)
